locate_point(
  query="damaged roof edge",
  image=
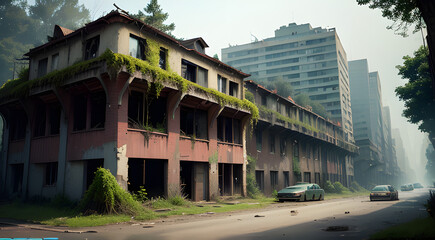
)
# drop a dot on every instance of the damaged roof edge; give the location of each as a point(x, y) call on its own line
point(115, 16)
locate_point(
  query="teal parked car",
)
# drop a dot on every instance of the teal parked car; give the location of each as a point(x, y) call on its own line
point(301, 192)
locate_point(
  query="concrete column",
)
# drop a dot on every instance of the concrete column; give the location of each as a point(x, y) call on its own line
point(4, 156)
point(61, 160)
point(26, 159)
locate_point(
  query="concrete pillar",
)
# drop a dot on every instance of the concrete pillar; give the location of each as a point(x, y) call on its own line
point(61, 160)
point(4, 156)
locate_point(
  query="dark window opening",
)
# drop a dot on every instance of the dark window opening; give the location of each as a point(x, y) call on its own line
point(228, 130)
point(295, 150)
point(17, 177)
point(317, 178)
point(274, 179)
point(54, 61)
point(263, 100)
point(286, 179)
point(193, 123)
point(282, 146)
point(234, 89)
point(137, 47)
point(18, 125)
point(42, 67)
point(259, 139)
point(272, 143)
point(222, 84)
point(98, 109)
point(91, 47)
point(188, 71)
point(147, 112)
point(40, 121)
point(259, 178)
point(301, 116)
point(50, 174)
point(307, 177)
point(149, 173)
point(91, 167)
point(54, 114)
point(163, 58)
point(80, 110)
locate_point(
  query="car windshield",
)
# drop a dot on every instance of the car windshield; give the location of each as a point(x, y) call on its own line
point(295, 187)
point(379, 189)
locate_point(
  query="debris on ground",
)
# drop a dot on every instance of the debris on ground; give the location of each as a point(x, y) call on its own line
point(347, 212)
point(336, 228)
point(259, 216)
point(294, 212)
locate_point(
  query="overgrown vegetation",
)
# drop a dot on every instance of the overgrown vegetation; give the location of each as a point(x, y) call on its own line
point(269, 112)
point(329, 187)
point(140, 195)
point(20, 88)
point(296, 166)
point(251, 183)
point(105, 196)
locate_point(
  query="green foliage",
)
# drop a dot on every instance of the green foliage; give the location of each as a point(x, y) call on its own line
point(152, 53)
point(296, 165)
point(418, 92)
point(355, 187)
point(140, 195)
point(249, 96)
point(339, 188)
point(20, 88)
point(155, 17)
point(251, 183)
point(329, 187)
point(269, 112)
point(282, 88)
point(305, 101)
point(403, 13)
point(213, 158)
point(105, 196)
point(430, 164)
point(178, 200)
point(275, 194)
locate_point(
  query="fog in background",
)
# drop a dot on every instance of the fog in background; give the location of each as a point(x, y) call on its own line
point(362, 32)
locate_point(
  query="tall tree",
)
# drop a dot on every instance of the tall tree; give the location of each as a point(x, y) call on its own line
point(417, 92)
point(22, 26)
point(403, 13)
point(155, 17)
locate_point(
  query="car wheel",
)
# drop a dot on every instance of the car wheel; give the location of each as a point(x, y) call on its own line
point(320, 197)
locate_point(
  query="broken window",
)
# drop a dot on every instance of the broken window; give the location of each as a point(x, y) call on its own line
point(137, 47)
point(259, 178)
point(307, 177)
point(317, 178)
point(193, 122)
point(229, 130)
point(18, 125)
point(194, 73)
point(202, 77)
point(91, 47)
point(220, 129)
point(163, 58)
point(295, 149)
point(98, 109)
point(80, 111)
point(282, 146)
point(50, 174)
point(54, 61)
point(301, 116)
point(234, 89)
point(54, 118)
point(40, 118)
point(278, 107)
point(146, 111)
point(264, 100)
point(274, 179)
point(286, 179)
point(222, 84)
point(42, 67)
point(259, 139)
point(272, 143)
point(237, 131)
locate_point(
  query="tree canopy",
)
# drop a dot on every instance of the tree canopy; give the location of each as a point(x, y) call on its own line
point(22, 26)
point(403, 13)
point(304, 100)
point(417, 92)
point(155, 17)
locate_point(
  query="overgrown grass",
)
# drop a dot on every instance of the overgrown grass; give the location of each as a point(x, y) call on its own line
point(422, 228)
point(346, 193)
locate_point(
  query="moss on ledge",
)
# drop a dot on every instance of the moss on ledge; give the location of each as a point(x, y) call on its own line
point(20, 88)
point(283, 118)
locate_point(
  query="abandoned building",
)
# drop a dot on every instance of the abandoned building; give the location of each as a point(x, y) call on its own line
point(292, 144)
point(119, 94)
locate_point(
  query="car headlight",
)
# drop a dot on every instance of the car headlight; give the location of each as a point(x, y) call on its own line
point(297, 194)
point(372, 194)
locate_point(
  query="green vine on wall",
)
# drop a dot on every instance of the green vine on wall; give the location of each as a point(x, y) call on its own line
point(21, 87)
point(213, 158)
point(269, 113)
point(296, 167)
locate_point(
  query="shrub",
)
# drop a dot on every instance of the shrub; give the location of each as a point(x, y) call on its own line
point(430, 205)
point(329, 188)
point(275, 194)
point(355, 187)
point(106, 196)
point(140, 195)
point(251, 183)
point(339, 188)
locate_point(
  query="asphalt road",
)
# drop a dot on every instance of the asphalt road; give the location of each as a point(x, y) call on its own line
point(351, 218)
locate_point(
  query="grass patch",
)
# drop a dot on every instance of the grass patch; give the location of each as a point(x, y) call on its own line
point(87, 221)
point(346, 194)
point(423, 228)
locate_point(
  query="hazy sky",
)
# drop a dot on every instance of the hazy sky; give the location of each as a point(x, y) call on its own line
point(362, 32)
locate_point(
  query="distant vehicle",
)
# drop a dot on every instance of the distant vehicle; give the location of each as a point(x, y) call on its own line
point(407, 187)
point(384, 192)
point(301, 192)
point(417, 185)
